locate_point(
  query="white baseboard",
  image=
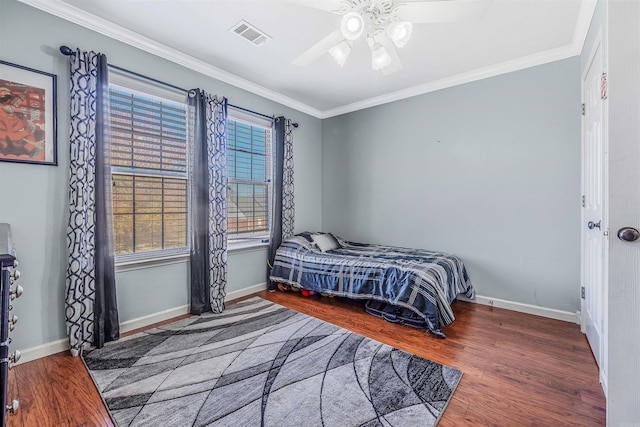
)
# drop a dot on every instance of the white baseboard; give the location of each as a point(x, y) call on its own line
point(43, 350)
point(246, 291)
point(603, 383)
point(58, 346)
point(551, 313)
point(161, 316)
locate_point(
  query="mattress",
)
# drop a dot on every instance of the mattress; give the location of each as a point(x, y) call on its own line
point(425, 282)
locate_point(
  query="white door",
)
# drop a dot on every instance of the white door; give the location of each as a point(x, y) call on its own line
point(593, 238)
point(623, 323)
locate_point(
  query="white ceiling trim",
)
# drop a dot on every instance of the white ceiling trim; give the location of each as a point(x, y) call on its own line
point(459, 79)
point(585, 15)
point(109, 29)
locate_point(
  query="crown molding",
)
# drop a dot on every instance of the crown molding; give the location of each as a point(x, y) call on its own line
point(585, 15)
point(459, 79)
point(71, 13)
point(77, 16)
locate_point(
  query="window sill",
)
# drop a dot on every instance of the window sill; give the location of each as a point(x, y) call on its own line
point(240, 247)
point(138, 264)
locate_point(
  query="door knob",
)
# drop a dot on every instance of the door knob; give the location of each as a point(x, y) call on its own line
point(593, 225)
point(628, 234)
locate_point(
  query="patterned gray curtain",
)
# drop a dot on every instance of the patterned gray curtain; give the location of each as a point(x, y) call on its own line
point(208, 133)
point(91, 307)
point(283, 207)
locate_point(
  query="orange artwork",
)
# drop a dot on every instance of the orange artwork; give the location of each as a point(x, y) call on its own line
point(22, 121)
point(27, 115)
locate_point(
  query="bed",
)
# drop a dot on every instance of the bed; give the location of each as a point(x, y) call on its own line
point(423, 281)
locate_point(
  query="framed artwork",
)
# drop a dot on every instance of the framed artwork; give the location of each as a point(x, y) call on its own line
point(28, 131)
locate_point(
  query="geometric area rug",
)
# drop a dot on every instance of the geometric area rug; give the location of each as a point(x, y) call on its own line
point(261, 364)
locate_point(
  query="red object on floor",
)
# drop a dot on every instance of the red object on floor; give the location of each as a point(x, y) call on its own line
point(305, 293)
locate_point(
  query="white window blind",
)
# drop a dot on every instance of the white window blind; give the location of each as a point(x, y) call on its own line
point(249, 164)
point(149, 170)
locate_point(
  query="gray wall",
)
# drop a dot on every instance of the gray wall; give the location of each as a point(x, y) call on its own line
point(34, 198)
point(488, 170)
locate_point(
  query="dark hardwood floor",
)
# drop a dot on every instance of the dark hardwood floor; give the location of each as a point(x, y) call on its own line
point(519, 369)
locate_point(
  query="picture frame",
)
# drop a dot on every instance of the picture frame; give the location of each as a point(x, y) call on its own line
point(28, 122)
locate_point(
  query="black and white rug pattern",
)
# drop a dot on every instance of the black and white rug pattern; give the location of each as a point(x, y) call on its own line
point(261, 364)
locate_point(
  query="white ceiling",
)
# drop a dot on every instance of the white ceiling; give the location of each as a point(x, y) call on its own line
point(513, 34)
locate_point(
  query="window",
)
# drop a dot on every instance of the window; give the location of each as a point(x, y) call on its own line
point(149, 169)
point(249, 164)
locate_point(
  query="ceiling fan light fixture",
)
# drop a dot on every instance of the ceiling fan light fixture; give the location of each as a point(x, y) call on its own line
point(340, 52)
point(400, 32)
point(380, 58)
point(352, 25)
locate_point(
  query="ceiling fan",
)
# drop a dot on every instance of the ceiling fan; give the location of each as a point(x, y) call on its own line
point(385, 25)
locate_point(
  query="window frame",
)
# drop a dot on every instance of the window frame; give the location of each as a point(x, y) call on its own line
point(150, 89)
point(256, 242)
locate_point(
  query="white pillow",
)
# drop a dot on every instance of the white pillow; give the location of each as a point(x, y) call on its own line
point(326, 242)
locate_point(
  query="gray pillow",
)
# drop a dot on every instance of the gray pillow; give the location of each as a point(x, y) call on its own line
point(326, 242)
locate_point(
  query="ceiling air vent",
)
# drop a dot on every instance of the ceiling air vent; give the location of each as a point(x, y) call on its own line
point(250, 33)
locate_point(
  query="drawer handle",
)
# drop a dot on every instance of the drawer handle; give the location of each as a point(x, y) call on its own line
point(13, 408)
point(17, 293)
point(12, 322)
point(15, 356)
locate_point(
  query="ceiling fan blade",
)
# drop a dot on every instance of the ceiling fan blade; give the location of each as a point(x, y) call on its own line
point(427, 12)
point(318, 49)
point(339, 7)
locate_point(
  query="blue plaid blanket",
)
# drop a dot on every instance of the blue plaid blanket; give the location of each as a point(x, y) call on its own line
point(423, 281)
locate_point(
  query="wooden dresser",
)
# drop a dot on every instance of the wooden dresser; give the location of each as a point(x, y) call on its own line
point(8, 276)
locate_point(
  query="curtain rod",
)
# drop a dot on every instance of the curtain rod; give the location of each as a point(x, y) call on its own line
point(66, 50)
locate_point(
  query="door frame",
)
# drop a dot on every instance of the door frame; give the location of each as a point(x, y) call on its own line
point(598, 43)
